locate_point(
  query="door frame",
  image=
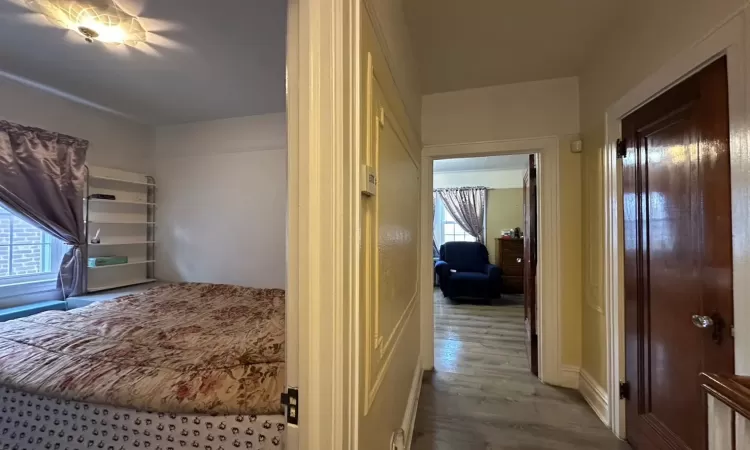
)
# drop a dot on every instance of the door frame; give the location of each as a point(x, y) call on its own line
point(551, 369)
point(729, 38)
point(323, 132)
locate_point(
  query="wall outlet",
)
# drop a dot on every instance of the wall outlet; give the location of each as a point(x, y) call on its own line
point(398, 440)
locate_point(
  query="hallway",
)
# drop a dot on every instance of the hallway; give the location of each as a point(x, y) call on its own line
point(481, 395)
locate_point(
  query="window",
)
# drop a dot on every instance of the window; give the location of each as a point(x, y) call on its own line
point(453, 231)
point(29, 261)
point(445, 228)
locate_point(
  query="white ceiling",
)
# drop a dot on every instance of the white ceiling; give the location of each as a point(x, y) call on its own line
point(507, 162)
point(476, 43)
point(204, 59)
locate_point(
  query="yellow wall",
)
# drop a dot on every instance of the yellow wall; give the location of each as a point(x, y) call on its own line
point(524, 111)
point(656, 31)
point(389, 300)
point(395, 40)
point(594, 345)
point(571, 277)
point(504, 211)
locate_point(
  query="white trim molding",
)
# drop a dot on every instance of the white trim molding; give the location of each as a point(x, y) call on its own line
point(729, 39)
point(410, 415)
point(570, 376)
point(548, 274)
point(323, 84)
point(595, 395)
point(491, 179)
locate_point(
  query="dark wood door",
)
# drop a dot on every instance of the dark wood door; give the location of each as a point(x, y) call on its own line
point(529, 261)
point(678, 258)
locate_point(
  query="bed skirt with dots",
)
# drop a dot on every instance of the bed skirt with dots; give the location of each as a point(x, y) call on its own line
point(36, 422)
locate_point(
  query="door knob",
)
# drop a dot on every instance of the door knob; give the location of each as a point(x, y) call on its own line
point(702, 321)
point(713, 321)
point(518, 260)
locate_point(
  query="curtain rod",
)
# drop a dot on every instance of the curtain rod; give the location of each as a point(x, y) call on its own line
point(459, 188)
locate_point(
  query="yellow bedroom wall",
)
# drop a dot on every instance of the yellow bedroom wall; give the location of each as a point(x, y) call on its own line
point(389, 318)
point(522, 111)
point(571, 276)
point(656, 31)
point(504, 211)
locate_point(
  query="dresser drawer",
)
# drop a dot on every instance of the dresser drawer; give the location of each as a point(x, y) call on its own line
point(512, 264)
point(512, 285)
point(509, 258)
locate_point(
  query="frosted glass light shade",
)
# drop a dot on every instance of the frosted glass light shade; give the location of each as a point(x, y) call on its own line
point(95, 20)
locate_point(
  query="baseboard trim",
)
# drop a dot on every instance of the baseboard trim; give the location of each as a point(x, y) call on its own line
point(569, 376)
point(595, 396)
point(410, 415)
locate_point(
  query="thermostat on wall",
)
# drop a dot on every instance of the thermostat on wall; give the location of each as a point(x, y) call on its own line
point(369, 180)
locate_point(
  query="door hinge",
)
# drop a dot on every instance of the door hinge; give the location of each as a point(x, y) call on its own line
point(624, 390)
point(622, 148)
point(290, 399)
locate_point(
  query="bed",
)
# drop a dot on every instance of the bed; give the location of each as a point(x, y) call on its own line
point(187, 365)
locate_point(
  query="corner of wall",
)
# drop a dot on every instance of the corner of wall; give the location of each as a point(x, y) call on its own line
point(206, 166)
point(595, 395)
point(571, 244)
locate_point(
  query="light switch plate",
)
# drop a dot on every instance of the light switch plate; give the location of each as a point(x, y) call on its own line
point(369, 180)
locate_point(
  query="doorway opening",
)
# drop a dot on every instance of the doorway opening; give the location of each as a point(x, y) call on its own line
point(484, 248)
point(677, 197)
point(551, 370)
point(477, 334)
point(726, 42)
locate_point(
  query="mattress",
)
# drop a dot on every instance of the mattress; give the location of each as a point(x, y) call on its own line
point(187, 348)
point(37, 422)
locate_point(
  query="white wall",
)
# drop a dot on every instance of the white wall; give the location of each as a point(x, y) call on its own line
point(115, 142)
point(221, 185)
point(511, 111)
point(491, 179)
point(222, 201)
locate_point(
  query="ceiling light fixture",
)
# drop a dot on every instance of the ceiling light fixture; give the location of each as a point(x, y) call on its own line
point(95, 20)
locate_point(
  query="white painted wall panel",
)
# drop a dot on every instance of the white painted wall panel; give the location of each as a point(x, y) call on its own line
point(115, 142)
point(491, 179)
point(511, 111)
point(222, 201)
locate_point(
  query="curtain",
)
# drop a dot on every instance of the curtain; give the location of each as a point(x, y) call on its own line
point(42, 175)
point(467, 206)
point(435, 251)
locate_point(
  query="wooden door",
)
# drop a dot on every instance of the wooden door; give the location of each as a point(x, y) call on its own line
point(529, 261)
point(678, 259)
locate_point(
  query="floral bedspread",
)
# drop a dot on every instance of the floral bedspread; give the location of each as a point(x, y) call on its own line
point(183, 348)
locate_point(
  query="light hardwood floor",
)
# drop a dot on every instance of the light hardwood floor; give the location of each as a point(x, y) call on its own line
point(482, 396)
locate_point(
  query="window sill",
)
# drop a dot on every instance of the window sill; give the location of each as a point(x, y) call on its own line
point(29, 293)
point(14, 286)
point(30, 309)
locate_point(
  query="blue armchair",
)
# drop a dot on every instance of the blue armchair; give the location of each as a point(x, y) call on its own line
point(464, 270)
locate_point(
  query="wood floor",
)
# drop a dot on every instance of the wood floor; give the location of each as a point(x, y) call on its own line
point(482, 395)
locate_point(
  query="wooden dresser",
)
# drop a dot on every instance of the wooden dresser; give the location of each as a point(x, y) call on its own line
point(509, 258)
